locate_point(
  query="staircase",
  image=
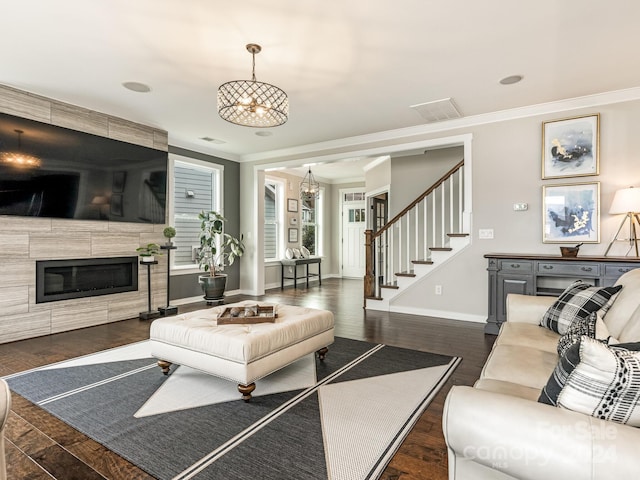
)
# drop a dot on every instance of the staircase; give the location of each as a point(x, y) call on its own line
point(420, 239)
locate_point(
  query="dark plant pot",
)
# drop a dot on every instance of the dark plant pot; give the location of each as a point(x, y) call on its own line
point(213, 287)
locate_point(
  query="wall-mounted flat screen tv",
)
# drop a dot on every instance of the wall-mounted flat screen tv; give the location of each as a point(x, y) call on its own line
point(51, 171)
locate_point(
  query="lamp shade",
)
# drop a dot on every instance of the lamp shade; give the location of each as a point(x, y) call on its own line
point(626, 200)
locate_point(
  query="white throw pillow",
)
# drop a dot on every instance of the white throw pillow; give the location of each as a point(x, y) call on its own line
point(605, 383)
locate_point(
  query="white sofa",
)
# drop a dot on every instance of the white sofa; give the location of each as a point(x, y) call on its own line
point(498, 430)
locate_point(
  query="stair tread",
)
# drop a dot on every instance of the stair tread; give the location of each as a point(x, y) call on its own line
point(390, 285)
point(405, 274)
point(440, 249)
point(457, 234)
point(373, 298)
point(422, 262)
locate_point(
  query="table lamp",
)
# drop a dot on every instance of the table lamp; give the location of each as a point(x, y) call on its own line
point(627, 201)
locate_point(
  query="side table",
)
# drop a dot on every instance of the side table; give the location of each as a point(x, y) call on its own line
point(294, 262)
point(168, 310)
point(149, 314)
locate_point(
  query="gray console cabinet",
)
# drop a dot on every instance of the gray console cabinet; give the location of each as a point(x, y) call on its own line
point(545, 275)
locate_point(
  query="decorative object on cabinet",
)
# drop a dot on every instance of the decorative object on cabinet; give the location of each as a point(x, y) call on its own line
point(627, 201)
point(570, 147)
point(571, 213)
point(545, 275)
point(251, 103)
point(292, 205)
point(570, 251)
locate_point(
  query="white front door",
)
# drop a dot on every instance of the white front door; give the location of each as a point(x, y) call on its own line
point(353, 226)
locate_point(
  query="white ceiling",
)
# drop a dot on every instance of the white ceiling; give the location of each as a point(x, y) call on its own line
point(350, 67)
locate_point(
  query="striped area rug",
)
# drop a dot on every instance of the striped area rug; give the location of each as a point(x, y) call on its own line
point(339, 419)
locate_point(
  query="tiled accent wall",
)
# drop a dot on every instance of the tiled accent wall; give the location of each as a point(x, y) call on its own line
point(23, 240)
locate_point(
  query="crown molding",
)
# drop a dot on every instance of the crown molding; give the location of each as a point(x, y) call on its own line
point(348, 143)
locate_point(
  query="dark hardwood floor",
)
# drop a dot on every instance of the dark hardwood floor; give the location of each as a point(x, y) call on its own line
point(39, 446)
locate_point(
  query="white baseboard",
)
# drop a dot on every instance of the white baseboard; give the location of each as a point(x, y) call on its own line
point(425, 312)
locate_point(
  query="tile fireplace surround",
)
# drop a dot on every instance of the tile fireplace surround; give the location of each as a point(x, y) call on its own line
point(24, 240)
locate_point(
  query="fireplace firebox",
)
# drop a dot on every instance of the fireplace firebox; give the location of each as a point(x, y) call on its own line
point(84, 277)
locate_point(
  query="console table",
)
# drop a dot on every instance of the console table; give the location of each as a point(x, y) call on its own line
point(545, 275)
point(294, 262)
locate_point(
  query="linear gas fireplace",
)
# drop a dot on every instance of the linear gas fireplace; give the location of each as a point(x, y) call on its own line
point(85, 277)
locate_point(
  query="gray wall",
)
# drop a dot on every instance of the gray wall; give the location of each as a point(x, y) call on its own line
point(186, 286)
point(506, 170)
point(412, 175)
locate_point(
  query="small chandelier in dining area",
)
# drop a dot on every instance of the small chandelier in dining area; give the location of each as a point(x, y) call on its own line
point(18, 158)
point(251, 103)
point(309, 188)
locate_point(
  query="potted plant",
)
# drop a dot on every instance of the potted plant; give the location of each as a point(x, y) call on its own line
point(217, 249)
point(147, 252)
point(169, 232)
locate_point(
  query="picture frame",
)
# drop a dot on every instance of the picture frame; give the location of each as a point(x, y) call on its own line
point(116, 205)
point(571, 213)
point(119, 179)
point(293, 235)
point(570, 147)
point(292, 205)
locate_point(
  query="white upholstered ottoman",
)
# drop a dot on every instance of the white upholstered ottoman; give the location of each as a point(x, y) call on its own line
point(241, 353)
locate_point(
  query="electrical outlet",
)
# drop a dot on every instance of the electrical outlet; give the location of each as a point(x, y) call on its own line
point(438, 289)
point(485, 233)
point(520, 207)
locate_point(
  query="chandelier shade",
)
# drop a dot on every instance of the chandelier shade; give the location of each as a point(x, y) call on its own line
point(251, 103)
point(309, 188)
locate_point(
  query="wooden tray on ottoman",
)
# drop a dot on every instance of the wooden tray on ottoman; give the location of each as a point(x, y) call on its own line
point(266, 314)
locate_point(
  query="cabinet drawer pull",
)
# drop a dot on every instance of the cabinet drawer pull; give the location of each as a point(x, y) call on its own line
point(624, 270)
point(586, 269)
point(515, 265)
point(548, 267)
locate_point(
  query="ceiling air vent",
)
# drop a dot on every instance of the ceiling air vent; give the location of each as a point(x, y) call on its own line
point(213, 140)
point(438, 110)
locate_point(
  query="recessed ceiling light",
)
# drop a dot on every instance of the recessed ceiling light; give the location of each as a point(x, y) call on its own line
point(137, 87)
point(264, 133)
point(511, 79)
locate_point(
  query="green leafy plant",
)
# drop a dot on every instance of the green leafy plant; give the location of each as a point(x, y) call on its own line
point(169, 232)
point(149, 250)
point(216, 247)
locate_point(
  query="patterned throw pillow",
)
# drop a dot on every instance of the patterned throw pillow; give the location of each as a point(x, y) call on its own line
point(598, 380)
point(566, 365)
point(604, 384)
point(578, 300)
point(578, 328)
point(558, 378)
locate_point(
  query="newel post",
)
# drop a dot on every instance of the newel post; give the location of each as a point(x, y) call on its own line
point(369, 284)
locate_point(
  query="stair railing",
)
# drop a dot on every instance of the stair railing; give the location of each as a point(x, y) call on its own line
point(409, 236)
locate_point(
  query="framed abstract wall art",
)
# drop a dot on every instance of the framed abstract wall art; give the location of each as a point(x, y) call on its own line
point(570, 147)
point(571, 213)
